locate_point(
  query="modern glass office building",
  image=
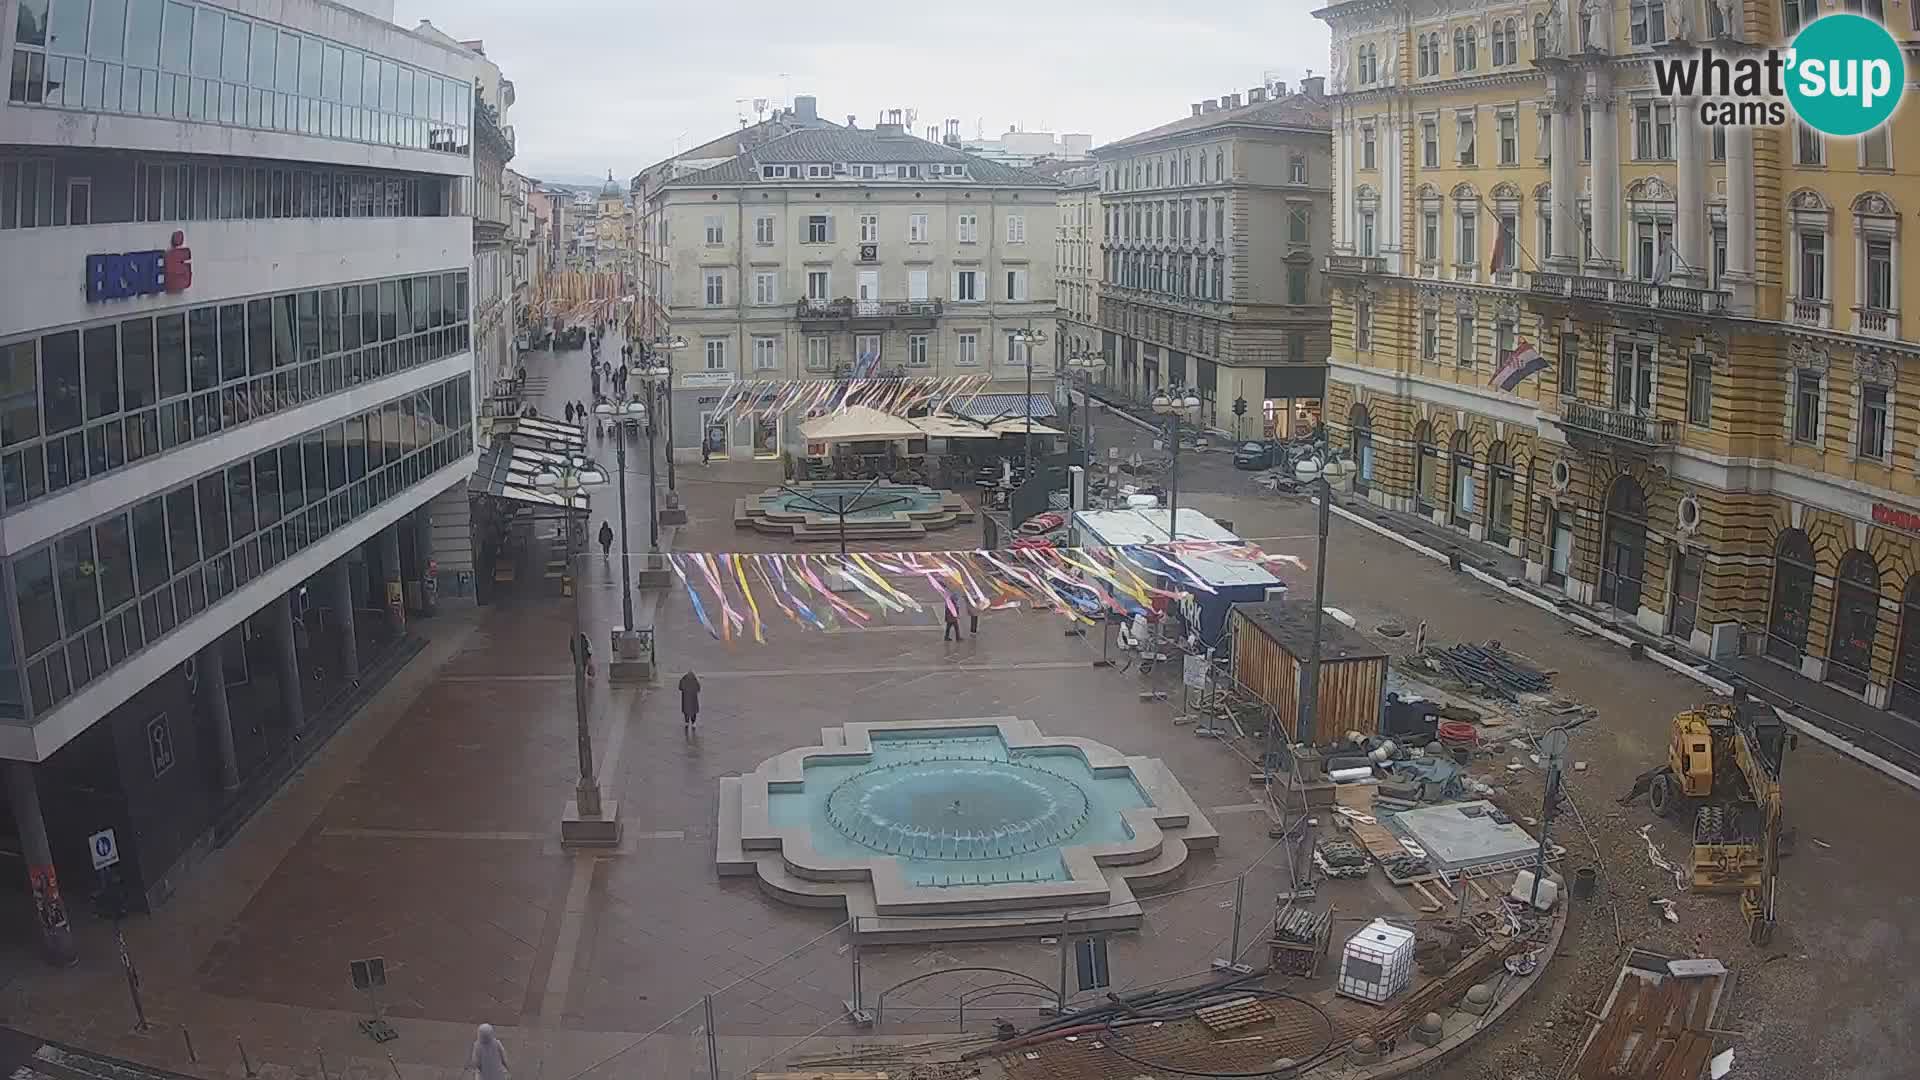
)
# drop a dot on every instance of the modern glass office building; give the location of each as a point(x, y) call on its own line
point(234, 367)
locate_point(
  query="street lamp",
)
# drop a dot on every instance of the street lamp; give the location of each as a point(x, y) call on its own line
point(585, 821)
point(1080, 368)
point(661, 351)
point(658, 379)
point(1028, 339)
point(623, 414)
point(1176, 404)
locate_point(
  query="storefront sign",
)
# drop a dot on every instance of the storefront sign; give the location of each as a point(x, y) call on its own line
point(703, 379)
point(1895, 518)
point(140, 273)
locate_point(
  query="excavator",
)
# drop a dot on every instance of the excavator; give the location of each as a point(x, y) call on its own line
point(1723, 764)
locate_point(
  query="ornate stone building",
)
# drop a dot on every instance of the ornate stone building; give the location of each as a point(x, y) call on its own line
point(1722, 443)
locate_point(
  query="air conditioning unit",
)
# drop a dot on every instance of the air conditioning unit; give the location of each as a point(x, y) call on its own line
point(839, 167)
point(869, 252)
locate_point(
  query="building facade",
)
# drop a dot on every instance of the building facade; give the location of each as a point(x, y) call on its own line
point(1077, 259)
point(238, 371)
point(1211, 272)
point(1722, 444)
point(834, 251)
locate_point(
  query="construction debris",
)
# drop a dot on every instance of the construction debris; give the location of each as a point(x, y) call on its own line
point(1340, 859)
point(1491, 669)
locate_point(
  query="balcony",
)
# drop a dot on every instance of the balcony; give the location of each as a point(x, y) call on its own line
point(1871, 321)
point(893, 314)
point(1590, 426)
point(1356, 265)
point(1810, 311)
point(1580, 288)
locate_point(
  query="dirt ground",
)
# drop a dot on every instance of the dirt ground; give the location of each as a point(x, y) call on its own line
point(1828, 998)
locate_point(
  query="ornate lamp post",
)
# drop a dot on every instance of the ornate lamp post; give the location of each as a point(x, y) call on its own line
point(586, 821)
point(624, 413)
point(659, 355)
point(1080, 368)
point(1177, 404)
point(1028, 340)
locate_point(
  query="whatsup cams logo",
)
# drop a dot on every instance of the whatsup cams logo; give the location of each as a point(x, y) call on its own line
point(1842, 75)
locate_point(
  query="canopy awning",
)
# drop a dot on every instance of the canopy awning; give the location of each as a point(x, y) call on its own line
point(859, 423)
point(997, 406)
point(1018, 426)
point(952, 427)
point(539, 433)
point(509, 473)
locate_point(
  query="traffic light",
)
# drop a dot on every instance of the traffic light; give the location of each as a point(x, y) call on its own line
point(1239, 406)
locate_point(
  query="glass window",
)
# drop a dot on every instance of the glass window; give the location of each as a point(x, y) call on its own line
point(240, 499)
point(150, 544)
point(370, 83)
point(39, 613)
point(183, 530)
point(102, 371)
point(170, 343)
point(60, 380)
point(329, 321)
point(19, 393)
point(293, 488)
point(136, 363)
point(389, 310)
point(233, 342)
point(30, 25)
point(280, 347)
point(113, 561)
point(79, 590)
point(109, 38)
point(330, 61)
point(287, 66)
point(313, 451)
point(176, 38)
point(350, 78)
point(310, 62)
point(67, 27)
point(233, 63)
point(266, 486)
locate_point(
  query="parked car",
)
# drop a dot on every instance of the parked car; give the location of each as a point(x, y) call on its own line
point(1256, 455)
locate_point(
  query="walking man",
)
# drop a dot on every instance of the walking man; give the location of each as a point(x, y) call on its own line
point(583, 652)
point(952, 632)
point(606, 540)
point(488, 1058)
point(689, 701)
point(973, 617)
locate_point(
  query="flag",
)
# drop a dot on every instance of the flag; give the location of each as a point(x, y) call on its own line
point(1523, 361)
point(863, 366)
point(1500, 242)
point(1662, 267)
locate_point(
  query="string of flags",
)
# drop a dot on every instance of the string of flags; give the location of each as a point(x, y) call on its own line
point(736, 594)
point(818, 397)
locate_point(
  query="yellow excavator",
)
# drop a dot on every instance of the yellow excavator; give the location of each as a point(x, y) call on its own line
point(1723, 763)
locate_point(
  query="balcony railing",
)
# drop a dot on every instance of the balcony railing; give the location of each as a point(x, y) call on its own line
point(1810, 312)
point(1682, 299)
point(1356, 265)
point(1617, 425)
point(1871, 321)
point(868, 309)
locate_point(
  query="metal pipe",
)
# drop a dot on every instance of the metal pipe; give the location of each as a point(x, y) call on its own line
point(626, 578)
point(1310, 681)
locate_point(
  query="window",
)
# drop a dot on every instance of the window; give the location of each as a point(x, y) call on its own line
point(819, 228)
point(1719, 150)
point(1296, 284)
point(1878, 294)
point(1634, 378)
point(1466, 253)
point(1653, 132)
point(1806, 407)
point(1569, 364)
point(1220, 220)
point(1540, 34)
point(766, 288)
point(1719, 255)
point(917, 350)
point(966, 351)
point(819, 172)
point(1296, 168)
point(1716, 23)
point(1464, 345)
point(1498, 41)
point(1508, 241)
point(818, 288)
point(1586, 133)
point(1299, 222)
point(1363, 324)
point(1366, 148)
point(1016, 228)
point(1203, 219)
point(1809, 148)
point(1466, 140)
point(1429, 335)
point(1874, 409)
point(1016, 285)
point(1700, 391)
point(967, 229)
point(1813, 265)
point(716, 354)
point(869, 228)
point(716, 287)
point(917, 229)
point(1647, 21)
point(1546, 228)
point(1873, 150)
point(1430, 236)
point(1429, 144)
point(1017, 352)
point(819, 354)
point(1367, 234)
point(1651, 239)
point(966, 286)
point(763, 229)
point(766, 353)
point(1503, 342)
point(1797, 13)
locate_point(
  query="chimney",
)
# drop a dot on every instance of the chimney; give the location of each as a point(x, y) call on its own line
point(805, 105)
point(1209, 105)
point(1234, 98)
point(1279, 90)
point(1256, 95)
point(850, 122)
point(1196, 108)
point(1313, 86)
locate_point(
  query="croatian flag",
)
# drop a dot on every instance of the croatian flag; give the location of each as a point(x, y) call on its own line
point(865, 364)
point(1522, 362)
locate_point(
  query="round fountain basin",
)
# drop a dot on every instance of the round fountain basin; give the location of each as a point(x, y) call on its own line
point(958, 809)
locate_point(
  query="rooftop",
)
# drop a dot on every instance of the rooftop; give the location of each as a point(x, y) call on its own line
point(1290, 625)
point(858, 146)
point(1293, 112)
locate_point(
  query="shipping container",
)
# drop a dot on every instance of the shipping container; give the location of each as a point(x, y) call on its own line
point(1272, 643)
point(1229, 577)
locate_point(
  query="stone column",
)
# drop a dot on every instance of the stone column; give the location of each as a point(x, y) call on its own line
point(339, 586)
point(429, 570)
point(1606, 182)
point(50, 911)
point(210, 667)
point(1740, 197)
point(392, 595)
point(1564, 177)
point(286, 653)
point(1690, 214)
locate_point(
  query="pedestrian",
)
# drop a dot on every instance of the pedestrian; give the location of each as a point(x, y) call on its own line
point(690, 700)
point(952, 632)
point(606, 540)
point(973, 617)
point(706, 450)
point(569, 412)
point(488, 1057)
point(583, 651)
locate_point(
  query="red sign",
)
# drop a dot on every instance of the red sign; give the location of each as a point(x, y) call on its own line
point(1895, 518)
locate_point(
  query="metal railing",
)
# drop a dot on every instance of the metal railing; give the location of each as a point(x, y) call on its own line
point(1598, 290)
point(1616, 424)
point(867, 309)
point(1356, 265)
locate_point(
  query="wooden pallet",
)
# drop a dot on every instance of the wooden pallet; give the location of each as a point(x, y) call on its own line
point(1242, 1012)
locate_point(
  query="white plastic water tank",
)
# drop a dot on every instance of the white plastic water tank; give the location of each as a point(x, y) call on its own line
point(1377, 962)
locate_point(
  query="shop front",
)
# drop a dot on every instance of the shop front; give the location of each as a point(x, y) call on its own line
point(1291, 399)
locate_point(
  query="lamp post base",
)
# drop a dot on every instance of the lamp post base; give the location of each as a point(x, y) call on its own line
point(673, 513)
point(602, 829)
point(654, 573)
point(632, 661)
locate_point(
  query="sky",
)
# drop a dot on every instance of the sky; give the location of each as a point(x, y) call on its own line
point(606, 84)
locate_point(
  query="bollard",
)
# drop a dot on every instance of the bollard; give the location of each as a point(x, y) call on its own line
point(245, 1063)
point(321, 1054)
point(188, 1036)
point(395, 1066)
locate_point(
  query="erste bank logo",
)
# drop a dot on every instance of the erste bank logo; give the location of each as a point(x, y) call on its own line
point(1842, 75)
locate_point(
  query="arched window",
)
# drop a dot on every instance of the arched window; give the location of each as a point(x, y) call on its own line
point(1220, 169)
point(1792, 605)
point(1203, 166)
point(1856, 621)
point(1499, 494)
point(1540, 34)
point(1905, 698)
point(1188, 163)
point(1461, 504)
point(1360, 431)
point(1426, 457)
point(1459, 50)
point(1623, 546)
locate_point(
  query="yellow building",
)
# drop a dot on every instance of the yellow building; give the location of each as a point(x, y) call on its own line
point(1723, 443)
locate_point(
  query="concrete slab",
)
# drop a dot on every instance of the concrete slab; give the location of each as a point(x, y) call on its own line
point(1461, 836)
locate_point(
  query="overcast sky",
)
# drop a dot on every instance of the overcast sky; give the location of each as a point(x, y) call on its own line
point(618, 84)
